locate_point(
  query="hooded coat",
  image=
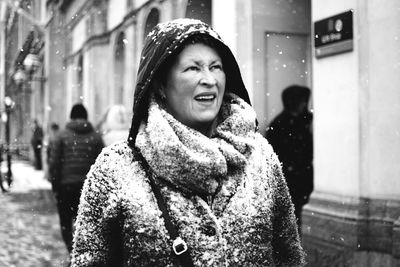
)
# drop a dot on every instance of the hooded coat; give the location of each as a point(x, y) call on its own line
point(225, 194)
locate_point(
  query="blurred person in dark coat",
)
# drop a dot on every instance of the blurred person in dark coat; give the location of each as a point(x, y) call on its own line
point(37, 143)
point(73, 151)
point(290, 134)
point(54, 130)
point(1, 174)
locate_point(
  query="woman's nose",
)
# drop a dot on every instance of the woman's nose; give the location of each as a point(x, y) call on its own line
point(208, 78)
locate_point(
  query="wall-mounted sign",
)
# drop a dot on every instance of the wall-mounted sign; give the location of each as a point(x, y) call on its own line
point(334, 35)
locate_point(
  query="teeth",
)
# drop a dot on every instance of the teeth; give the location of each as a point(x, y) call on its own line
point(204, 97)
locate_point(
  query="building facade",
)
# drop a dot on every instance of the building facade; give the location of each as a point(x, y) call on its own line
point(22, 29)
point(91, 55)
point(353, 218)
point(103, 41)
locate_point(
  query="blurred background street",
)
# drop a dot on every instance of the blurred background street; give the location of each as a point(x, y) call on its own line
point(29, 227)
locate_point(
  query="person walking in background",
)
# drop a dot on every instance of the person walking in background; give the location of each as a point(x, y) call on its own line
point(115, 124)
point(37, 143)
point(1, 173)
point(194, 184)
point(290, 134)
point(54, 129)
point(73, 151)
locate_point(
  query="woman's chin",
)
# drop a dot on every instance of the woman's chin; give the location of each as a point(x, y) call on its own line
point(206, 119)
point(202, 124)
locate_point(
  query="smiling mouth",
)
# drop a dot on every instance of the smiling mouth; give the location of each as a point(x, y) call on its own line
point(205, 98)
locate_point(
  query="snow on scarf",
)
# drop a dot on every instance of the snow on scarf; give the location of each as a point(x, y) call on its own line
point(192, 161)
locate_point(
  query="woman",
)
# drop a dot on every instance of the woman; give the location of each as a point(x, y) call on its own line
point(194, 177)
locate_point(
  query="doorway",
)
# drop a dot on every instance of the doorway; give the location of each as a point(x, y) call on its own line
point(287, 61)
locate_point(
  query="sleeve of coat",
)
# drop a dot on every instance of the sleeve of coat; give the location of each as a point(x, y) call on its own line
point(287, 250)
point(98, 227)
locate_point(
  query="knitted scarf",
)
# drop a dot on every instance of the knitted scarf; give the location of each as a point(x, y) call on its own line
point(193, 162)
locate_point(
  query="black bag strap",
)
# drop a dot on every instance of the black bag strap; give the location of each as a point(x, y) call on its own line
point(179, 247)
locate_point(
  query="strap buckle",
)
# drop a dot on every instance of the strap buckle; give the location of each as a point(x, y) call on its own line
point(179, 246)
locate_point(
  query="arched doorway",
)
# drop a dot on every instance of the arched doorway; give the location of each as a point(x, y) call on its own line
point(287, 61)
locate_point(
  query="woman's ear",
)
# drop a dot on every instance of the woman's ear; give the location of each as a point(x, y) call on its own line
point(162, 92)
point(159, 90)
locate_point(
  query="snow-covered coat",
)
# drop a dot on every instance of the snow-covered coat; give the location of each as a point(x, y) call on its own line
point(226, 193)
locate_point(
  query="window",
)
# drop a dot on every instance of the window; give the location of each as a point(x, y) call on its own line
point(80, 78)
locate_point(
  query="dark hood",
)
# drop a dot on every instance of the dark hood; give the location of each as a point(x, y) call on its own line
point(80, 126)
point(293, 95)
point(160, 43)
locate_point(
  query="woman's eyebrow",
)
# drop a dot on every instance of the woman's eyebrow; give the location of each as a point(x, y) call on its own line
point(191, 61)
point(216, 61)
point(201, 62)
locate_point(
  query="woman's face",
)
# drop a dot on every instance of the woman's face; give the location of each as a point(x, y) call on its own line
point(195, 86)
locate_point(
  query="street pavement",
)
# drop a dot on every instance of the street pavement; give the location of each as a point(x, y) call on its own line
point(29, 225)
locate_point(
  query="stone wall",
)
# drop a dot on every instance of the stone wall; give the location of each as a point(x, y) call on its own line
point(351, 231)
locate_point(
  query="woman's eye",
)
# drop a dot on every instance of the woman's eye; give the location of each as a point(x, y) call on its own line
point(192, 68)
point(216, 67)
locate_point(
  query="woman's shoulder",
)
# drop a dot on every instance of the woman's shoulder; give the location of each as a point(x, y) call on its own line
point(114, 156)
point(118, 167)
point(117, 164)
point(118, 156)
point(264, 148)
point(117, 149)
point(265, 161)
